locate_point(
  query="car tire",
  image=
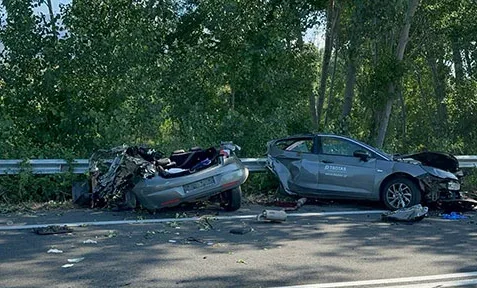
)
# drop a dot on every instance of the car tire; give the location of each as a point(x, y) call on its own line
point(400, 193)
point(232, 199)
point(130, 200)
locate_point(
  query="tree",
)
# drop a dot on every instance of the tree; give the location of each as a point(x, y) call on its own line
point(401, 47)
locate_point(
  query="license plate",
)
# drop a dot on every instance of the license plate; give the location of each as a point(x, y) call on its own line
point(199, 184)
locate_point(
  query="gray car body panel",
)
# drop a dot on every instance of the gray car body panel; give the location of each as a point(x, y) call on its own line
point(321, 175)
point(158, 192)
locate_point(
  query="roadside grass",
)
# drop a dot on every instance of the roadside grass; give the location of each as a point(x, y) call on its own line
point(29, 207)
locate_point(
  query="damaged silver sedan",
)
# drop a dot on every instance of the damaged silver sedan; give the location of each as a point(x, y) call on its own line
point(337, 167)
point(143, 176)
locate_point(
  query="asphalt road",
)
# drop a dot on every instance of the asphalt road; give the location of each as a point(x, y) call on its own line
point(303, 250)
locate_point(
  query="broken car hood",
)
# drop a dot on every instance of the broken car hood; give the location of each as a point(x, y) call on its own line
point(443, 161)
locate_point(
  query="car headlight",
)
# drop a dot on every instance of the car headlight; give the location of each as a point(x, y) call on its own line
point(454, 186)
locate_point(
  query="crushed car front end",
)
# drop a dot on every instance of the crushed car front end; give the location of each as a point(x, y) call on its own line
point(441, 177)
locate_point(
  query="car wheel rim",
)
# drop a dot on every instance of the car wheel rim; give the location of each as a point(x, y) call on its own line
point(399, 195)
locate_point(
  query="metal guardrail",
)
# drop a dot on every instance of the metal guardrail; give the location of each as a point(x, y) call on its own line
point(43, 166)
point(255, 164)
point(467, 161)
point(79, 166)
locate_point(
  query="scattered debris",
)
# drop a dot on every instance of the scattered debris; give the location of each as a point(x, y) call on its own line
point(454, 216)
point(242, 230)
point(139, 244)
point(273, 215)
point(172, 241)
point(55, 251)
point(52, 229)
point(300, 202)
point(459, 205)
point(173, 225)
point(410, 214)
point(111, 234)
point(68, 265)
point(241, 261)
point(90, 241)
point(193, 239)
point(204, 222)
point(210, 243)
point(75, 260)
point(149, 234)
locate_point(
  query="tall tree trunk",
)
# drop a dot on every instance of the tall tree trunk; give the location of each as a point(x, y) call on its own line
point(458, 66)
point(403, 39)
point(468, 62)
point(403, 116)
point(350, 66)
point(423, 97)
point(350, 82)
point(330, 25)
point(440, 94)
point(330, 94)
point(52, 17)
point(313, 109)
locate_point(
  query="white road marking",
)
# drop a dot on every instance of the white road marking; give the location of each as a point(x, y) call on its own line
point(366, 283)
point(458, 283)
point(147, 221)
point(338, 213)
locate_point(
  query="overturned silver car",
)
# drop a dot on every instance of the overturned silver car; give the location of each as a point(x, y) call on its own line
point(332, 166)
point(139, 175)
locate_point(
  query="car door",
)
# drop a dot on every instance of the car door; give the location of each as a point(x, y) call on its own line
point(340, 173)
point(296, 163)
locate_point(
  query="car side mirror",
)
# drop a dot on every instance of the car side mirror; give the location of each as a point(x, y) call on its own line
point(363, 155)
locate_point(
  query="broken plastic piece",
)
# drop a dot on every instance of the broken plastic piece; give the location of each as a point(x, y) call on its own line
point(241, 231)
point(175, 170)
point(53, 229)
point(89, 241)
point(76, 260)
point(410, 214)
point(454, 216)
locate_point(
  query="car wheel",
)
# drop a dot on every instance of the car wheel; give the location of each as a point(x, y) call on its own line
point(130, 200)
point(401, 193)
point(232, 199)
